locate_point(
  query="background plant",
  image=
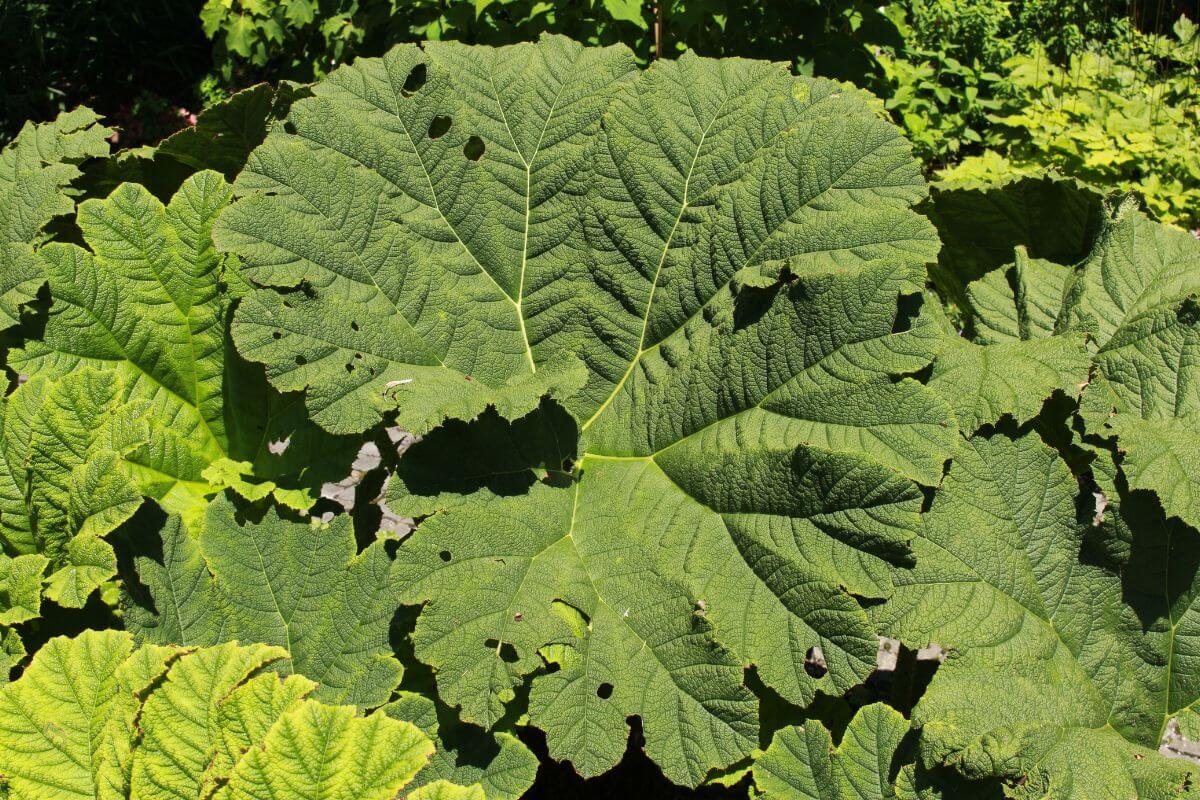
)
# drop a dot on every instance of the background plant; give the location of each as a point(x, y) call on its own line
point(1124, 117)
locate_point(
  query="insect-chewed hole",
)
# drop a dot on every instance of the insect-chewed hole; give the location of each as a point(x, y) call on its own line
point(289, 128)
point(277, 335)
point(439, 126)
point(414, 81)
point(814, 663)
point(445, 555)
point(353, 325)
point(301, 361)
point(474, 148)
point(604, 691)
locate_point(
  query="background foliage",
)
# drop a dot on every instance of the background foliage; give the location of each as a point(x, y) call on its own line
point(1105, 91)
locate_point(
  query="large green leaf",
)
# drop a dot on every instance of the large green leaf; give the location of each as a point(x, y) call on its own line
point(297, 586)
point(985, 383)
point(803, 764)
point(713, 267)
point(148, 305)
point(36, 169)
point(1063, 672)
point(66, 475)
point(304, 589)
point(1134, 296)
point(1052, 219)
point(95, 717)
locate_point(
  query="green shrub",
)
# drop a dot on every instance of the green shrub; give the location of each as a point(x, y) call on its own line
point(1125, 117)
point(304, 39)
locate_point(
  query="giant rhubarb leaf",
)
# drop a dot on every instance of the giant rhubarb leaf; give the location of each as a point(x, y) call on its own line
point(95, 717)
point(711, 266)
point(1064, 671)
point(148, 305)
point(36, 169)
point(295, 585)
point(302, 588)
point(803, 764)
point(1136, 295)
point(66, 475)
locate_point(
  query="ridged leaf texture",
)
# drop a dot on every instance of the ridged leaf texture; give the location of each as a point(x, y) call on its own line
point(713, 271)
point(802, 763)
point(147, 302)
point(1085, 661)
point(298, 586)
point(97, 717)
point(36, 171)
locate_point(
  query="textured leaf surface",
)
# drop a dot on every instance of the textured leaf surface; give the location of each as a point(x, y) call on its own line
point(297, 586)
point(64, 724)
point(66, 476)
point(1019, 302)
point(1134, 296)
point(1164, 457)
point(36, 169)
point(802, 762)
point(1055, 220)
point(986, 383)
point(95, 717)
point(1085, 664)
point(148, 305)
point(319, 752)
point(501, 765)
point(729, 251)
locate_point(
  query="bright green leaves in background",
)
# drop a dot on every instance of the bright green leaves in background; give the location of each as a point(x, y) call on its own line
point(726, 258)
point(97, 717)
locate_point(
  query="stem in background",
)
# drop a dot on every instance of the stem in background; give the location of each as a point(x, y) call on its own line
point(658, 30)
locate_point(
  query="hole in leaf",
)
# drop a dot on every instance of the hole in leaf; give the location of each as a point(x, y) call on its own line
point(414, 81)
point(814, 663)
point(301, 361)
point(439, 126)
point(908, 307)
point(444, 555)
point(507, 653)
point(1189, 311)
point(604, 691)
point(290, 128)
point(349, 366)
point(277, 335)
point(353, 325)
point(474, 148)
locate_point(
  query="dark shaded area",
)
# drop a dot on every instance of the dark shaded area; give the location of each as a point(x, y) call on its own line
point(636, 776)
point(502, 456)
point(58, 621)
point(138, 538)
point(1054, 220)
point(130, 61)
